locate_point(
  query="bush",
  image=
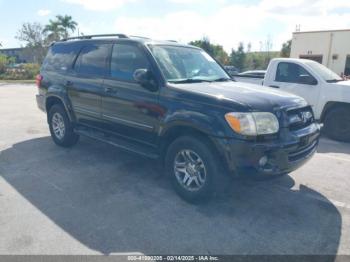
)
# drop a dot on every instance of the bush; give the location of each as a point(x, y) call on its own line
point(3, 63)
point(23, 72)
point(31, 70)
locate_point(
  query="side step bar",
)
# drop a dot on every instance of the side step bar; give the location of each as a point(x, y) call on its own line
point(121, 143)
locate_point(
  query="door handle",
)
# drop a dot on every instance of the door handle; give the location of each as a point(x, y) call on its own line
point(69, 83)
point(274, 86)
point(110, 90)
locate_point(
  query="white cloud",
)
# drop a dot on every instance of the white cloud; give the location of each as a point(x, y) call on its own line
point(303, 7)
point(229, 24)
point(185, 1)
point(100, 5)
point(43, 12)
point(241, 22)
point(195, 1)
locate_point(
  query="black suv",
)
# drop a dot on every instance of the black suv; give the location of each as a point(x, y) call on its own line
point(175, 103)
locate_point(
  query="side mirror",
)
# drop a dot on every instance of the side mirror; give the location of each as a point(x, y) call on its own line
point(307, 80)
point(146, 79)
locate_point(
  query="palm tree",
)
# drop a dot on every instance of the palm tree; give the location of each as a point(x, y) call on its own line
point(67, 23)
point(54, 30)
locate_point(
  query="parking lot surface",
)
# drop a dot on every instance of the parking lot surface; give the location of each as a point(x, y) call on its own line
point(96, 199)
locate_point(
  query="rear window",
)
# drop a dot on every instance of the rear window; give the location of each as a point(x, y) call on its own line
point(60, 57)
point(93, 60)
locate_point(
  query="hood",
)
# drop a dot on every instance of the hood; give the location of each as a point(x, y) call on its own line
point(339, 91)
point(343, 83)
point(255, 97)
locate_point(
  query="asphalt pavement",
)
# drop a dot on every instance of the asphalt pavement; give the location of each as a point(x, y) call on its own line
point(96, 199)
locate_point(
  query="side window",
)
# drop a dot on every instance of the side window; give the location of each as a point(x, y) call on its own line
point(292, 73)
point(347, 66)
point(92, 60)
point(60, 57)
point(126, 59)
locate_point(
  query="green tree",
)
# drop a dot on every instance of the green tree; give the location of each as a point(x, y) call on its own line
point(259, 60)
point(286, 47)
point(205, 44)
point(216, 51)
point(67, 23)
point(31, 33)
point(34, 39)
point(255, 61)
point(238, 57)
point(54, 31)
point(4, 62)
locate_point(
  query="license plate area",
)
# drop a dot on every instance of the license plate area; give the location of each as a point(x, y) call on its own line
point(304, 141)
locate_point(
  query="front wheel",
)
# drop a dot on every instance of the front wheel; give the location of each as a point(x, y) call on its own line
point(193, 169)
point(337, 124)
point(61, 128)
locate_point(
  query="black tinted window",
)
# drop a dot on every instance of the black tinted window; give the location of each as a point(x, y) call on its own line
point(347, 66)
point(60, 57)
point(291, 73)
point(92, 60)
point(125, 60)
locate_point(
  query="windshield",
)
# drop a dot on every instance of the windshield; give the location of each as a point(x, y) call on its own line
point(324, 72)
point(187, 65)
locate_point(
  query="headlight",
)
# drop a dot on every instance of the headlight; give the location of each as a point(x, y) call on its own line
point(252, 124)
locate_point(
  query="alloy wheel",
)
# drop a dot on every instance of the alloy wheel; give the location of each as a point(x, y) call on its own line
point(190, 170)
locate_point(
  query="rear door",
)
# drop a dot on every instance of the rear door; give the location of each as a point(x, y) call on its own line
point(128, 108)
point(84, 84)
point(289, 77)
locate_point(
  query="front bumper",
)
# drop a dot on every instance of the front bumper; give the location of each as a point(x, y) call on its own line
point(290, 151)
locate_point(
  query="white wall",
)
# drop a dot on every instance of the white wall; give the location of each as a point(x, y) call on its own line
point(327, 43)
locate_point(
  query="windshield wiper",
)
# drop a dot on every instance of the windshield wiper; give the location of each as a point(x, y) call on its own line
point(222, 79)
point(333, 80)
point(188, 81)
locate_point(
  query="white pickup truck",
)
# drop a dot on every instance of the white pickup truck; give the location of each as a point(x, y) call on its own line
point(323, 89)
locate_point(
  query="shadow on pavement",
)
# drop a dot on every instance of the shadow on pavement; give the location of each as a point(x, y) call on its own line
point(112, 201)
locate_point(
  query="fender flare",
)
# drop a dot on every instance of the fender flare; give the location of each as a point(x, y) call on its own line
point(60, 94)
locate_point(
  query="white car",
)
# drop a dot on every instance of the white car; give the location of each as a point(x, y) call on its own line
point(324, 90)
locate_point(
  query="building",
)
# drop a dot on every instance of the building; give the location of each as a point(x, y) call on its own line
point(331, 48)
point(18, 54)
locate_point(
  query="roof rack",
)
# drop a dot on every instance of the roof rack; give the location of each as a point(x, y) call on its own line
point(94, 36)
point(137, 36)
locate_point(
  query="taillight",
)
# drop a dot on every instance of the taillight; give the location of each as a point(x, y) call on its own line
point(38, 80)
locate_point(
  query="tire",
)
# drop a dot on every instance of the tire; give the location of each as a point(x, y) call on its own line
point(204, 174)
point(337, 124)
point(61, 128)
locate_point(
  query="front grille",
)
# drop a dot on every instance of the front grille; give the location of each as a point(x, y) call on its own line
point(300, 118)
point(303, 152)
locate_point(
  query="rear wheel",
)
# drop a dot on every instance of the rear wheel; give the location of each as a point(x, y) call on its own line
point(61, 128)
point(193, 169)
point(337, 124)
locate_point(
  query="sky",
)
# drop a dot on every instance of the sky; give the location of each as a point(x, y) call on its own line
point(224, 22)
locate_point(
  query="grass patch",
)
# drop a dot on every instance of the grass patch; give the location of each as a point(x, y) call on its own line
point(29, 81)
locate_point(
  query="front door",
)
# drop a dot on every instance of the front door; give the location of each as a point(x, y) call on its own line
point(289, 77)
point(129, 109)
